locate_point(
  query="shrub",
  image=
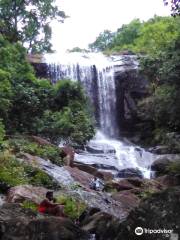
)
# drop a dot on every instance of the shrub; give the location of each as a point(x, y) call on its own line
point(174, 168)
point(29, 205)
point(14, 172)
point(72, 207)
point(21, 144)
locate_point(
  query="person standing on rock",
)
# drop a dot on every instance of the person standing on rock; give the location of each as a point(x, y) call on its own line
point(49, 206)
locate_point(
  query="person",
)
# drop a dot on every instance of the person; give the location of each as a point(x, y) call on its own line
point(49, 206)
point(96, 184)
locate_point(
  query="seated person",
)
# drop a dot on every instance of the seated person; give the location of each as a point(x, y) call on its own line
point(48, 206)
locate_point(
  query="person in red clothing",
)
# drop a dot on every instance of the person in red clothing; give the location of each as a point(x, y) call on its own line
point(49, 206)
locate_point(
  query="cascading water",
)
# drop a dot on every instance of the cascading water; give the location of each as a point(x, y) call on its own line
point(96, 74)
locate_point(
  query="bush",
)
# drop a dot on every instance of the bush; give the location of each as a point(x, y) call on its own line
point(13, 172)
point(72, 207)
point(72, 125)
point(29, 205)
point(52, 153)
point(174, 168)
point(2, 132)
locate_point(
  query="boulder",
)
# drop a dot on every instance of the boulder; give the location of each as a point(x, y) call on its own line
point(129, 172)
point(80, 176)
point(41, 141)
point(160, 166)
point(169, 180)
point(100, 149)
point(136, 181)
point(105, 175)
point(129, 199)
point(69, 154)
point(103, 225)
point(120, 185)
point(2, 199)
point(19, 194)
point(163, 149)
point(160, 211)
point(21, 224)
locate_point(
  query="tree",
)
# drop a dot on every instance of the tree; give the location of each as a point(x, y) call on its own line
point(126, 35)
point(28, 21)
point(102, 42)
point(175, 6)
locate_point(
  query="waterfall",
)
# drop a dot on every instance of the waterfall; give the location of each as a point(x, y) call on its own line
point(96, 73)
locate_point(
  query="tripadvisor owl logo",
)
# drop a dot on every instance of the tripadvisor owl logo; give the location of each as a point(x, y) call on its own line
point(139, 231)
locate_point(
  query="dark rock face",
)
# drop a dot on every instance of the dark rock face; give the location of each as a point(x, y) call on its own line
point(160, 166)
point(41, 69)
point(161, 211)
point(129, 172)
point(103, 225)
point(130, 87)
point(24, 224)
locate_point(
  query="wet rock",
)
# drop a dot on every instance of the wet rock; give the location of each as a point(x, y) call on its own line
point(169, 180)
point(105, 175)
point(104, 166)
point(129, 199)
point(24, 224)
point(160, 166)
point(159, 149)
point(136, 181)
point(129, 172)
point(41, 141)
point(83, 178)
point(4, 187)
point(160, 211)
point(69, 154)
point(98, 200)
point(103, 225)
point(2, 199)
point(120, 185)
point(92, 170)
point(100, 149)
point(19, 194)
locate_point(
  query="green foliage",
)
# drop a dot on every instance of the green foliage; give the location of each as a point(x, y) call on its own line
point(13, 172)
point(52, 153)
point(72, 207)
point(156, 35)
point(38, 177)
point(27, 103)
point(162, 107)
point(77, 49)
point(5, 93)
point(102, 42)
point(29, 22)
point(126, 36)
point(29, 205)
point(70, 118)
point(2, 132)
point(66, 92)
point(69, 124)
point(174, 168)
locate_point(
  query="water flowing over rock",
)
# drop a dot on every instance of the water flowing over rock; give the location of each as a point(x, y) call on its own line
point(113, 86)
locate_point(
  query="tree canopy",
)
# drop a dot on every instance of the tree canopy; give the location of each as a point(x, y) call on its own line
point(102, 41)
point(28, 21)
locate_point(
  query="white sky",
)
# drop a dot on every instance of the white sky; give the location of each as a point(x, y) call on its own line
point(90, 17)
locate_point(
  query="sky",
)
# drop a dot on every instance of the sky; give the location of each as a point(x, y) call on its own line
point(87, 18)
